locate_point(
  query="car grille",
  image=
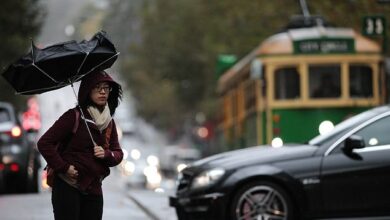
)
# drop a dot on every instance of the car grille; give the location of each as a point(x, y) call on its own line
point(184, 181)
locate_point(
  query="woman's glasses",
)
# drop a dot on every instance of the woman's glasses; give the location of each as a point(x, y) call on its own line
point(104, 88)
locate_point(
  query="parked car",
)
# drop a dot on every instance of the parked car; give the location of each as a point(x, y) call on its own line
point(19, 159)
point(174, 158)
point(344, 173)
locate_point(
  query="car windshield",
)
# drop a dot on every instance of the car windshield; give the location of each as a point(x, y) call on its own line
point(4, 115)
point(346, 125)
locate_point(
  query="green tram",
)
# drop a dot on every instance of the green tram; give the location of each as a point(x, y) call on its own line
point(297, 84)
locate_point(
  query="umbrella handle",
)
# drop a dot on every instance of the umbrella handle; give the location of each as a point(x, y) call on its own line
point(83, 117)
point(86, 124)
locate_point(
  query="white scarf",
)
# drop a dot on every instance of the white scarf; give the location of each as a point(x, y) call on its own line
point(102, 119)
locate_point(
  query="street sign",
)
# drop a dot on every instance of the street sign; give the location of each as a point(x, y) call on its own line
point(224, 62)
point(374, 25)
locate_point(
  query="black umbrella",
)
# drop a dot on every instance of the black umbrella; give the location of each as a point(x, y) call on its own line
point(59, 65)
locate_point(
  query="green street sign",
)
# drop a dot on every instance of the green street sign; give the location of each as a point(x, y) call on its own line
point(374, 25)
point(224, 62)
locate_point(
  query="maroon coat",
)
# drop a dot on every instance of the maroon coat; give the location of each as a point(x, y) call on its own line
point(79, 152)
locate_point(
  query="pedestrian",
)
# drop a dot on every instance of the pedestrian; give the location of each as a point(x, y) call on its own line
point(79, 166)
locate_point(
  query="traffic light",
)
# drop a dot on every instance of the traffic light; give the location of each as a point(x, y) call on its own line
point(31, 119)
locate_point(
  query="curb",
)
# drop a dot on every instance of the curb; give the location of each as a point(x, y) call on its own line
point(143, 208)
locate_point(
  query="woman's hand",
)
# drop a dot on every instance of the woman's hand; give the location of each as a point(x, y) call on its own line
point(98, 152)
point(72, 173)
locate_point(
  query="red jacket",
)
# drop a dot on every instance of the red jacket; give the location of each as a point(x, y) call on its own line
point(79, 152)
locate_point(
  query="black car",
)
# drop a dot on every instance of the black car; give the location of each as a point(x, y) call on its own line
point(19, 159)
point(344, 173)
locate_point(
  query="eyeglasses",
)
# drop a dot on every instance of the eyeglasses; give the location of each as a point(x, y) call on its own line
point(106, 89)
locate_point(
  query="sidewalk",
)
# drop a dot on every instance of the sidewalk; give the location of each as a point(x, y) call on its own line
point(155, 205)
point(117, 205)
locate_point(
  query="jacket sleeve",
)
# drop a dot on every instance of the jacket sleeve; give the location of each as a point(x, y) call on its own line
point(114, 154)
point(47, 144)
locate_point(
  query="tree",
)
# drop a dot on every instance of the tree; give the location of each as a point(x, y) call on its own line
point(19, 21)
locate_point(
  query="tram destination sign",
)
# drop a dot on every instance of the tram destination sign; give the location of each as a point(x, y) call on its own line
point(324, 46)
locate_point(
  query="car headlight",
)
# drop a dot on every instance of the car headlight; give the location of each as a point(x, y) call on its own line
point(207, 178)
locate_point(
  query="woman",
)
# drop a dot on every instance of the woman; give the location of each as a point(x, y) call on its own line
point(80, 166)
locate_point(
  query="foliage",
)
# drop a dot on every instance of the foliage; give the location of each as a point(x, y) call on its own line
point(20, 21)
point(350, 13)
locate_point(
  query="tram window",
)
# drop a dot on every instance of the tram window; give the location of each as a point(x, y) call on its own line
point(227, 114)
point(360, 81)
point(250, 96)
point(324, 81)
point(234, 104)
point(287, 83)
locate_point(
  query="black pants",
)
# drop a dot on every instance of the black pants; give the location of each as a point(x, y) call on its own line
point(71, 204)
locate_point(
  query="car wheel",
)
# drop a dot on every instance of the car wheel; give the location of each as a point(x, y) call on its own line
point(261, 200)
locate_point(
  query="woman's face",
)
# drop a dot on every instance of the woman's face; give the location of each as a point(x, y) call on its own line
point(99, 93)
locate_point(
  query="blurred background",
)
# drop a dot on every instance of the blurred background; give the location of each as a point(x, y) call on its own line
point(169, 50)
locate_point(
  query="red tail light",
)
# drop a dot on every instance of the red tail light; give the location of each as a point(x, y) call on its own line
point(2, 166)
point(14, 167)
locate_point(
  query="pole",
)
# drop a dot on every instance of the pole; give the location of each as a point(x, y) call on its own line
point(305, 9)
point(82, 116)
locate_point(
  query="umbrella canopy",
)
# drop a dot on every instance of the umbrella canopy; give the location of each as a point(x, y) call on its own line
point(59, 65)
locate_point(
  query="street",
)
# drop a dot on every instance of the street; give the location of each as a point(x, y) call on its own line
point(120, 202)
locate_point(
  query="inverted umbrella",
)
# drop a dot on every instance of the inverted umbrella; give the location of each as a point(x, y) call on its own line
point(59, 65)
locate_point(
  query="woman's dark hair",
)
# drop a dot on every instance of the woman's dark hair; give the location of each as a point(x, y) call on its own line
point(114, 97)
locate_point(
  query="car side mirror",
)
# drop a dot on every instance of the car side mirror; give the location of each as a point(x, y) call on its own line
point(353, 142)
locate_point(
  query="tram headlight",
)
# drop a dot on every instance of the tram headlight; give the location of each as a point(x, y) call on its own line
point(325, 127)
point(277, 142)
point(373, 141)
